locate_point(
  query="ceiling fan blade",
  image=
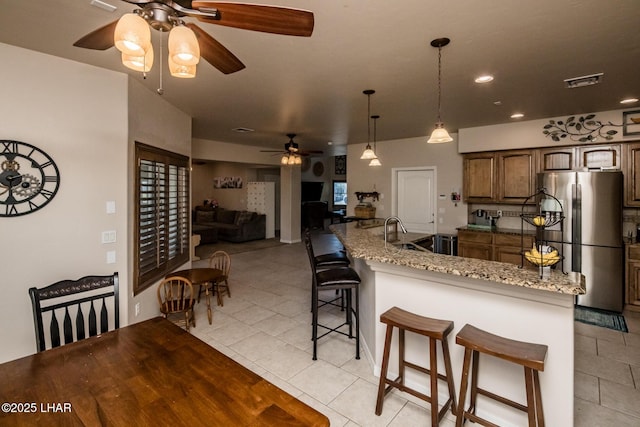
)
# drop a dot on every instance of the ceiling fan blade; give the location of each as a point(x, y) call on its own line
point(267, 19)
point(215, 53)
point(100, 39)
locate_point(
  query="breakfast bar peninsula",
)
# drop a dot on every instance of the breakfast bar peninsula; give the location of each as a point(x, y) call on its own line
point(500, 298)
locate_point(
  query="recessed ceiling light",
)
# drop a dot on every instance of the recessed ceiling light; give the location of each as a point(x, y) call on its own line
point(517, 115)
point(243, 130)
point(497, 102)
point(484, 79)
point(629, 101)
point(330, 143)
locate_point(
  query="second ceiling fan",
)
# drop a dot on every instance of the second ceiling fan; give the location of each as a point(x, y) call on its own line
point(291, 148)
point(163, 15)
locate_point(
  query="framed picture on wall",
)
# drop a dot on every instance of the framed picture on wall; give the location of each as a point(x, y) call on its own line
point(227, 182)
point(341, 165)
point(631, 123)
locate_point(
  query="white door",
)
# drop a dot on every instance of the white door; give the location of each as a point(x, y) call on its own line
point(415, 191)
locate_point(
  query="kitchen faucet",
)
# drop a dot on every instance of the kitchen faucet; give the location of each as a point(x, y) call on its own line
point(397, 220)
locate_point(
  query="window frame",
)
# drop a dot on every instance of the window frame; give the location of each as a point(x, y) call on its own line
point(170, 187)
point(333, 193)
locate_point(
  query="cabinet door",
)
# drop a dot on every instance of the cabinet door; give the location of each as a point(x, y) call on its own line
point(633, 283)
point(474, 244)
point(556, 159)
point(632, 175)
point(475, 250)
point(479, 177)
point(599, 156)
point(516, 176)
point(508, 247)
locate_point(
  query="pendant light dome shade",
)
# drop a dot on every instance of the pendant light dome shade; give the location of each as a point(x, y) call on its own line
point(132, 35)
point(139, 63)
point(375, 162)
point(439, 134)
point(368, 153)
point(183, 46)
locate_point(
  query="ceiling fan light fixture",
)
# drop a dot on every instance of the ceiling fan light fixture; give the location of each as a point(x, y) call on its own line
point(183, 46)
point(139, 63)
point(284, 160)
point(439, 135)
point(181, 71)
point(132, 35)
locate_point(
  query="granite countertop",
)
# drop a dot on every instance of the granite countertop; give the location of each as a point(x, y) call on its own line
point(361, 243)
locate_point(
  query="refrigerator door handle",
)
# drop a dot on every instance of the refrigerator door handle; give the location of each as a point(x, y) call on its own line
point(576, 225)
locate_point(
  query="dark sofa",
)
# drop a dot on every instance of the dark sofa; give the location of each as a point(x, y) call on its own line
point(229, 225)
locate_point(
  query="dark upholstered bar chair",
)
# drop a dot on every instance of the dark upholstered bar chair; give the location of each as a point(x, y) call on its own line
point(341, 279)
point(326, 261)
point(84, 300)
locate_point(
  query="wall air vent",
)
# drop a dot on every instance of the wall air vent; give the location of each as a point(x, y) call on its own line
point(589, 80)
point(242, 130)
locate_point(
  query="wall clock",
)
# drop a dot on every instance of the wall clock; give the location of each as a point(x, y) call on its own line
point(29, 178)
point(318, 168)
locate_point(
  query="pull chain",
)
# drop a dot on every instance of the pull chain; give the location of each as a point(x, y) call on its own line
point(160, 89)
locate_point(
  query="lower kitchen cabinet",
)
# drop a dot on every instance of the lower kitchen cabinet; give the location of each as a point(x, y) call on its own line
point(632, 291)
point(475, 244)
point(493, 246)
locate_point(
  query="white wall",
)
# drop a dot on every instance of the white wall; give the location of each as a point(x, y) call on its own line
point(78, 115)
point(528, 134)
point(86, 119)
point(152, 121)
point(407, 153)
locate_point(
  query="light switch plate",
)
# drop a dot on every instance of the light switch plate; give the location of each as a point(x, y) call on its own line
point(111, 257)
point(109, 236)
point(111, 207)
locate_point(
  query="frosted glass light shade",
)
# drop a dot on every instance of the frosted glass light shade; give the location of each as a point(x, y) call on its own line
point(132, 35)
point(368, 153)
point(298, 160)
point(139, 63)
point(183, 46)
point(181, 71)
point(439, 135)
point(284, 160)
point(375, 162)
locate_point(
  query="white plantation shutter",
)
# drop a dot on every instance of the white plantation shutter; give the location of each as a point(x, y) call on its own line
point(162, 214)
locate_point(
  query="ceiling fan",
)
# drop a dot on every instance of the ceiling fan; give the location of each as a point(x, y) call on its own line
point(163, 15)
point(292, 147)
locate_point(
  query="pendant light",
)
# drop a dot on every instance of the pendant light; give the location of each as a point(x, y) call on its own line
point(375, 161)
point(368, 153)
point(439, 134)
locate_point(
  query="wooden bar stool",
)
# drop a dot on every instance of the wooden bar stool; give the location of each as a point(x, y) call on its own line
point(530, 356)
point(436, 330)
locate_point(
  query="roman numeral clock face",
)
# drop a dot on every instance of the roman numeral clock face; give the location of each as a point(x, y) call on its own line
point(29, 178)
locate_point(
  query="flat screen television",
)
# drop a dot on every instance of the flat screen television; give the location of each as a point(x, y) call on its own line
point(311, 191)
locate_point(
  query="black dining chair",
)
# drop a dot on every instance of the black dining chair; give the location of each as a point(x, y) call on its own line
point(86, 306)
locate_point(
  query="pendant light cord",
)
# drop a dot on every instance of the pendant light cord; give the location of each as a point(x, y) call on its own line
point(368, 120)
point(439, 82)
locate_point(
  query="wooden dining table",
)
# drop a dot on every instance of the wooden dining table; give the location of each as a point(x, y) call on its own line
point(146, 374)
point(203, 276)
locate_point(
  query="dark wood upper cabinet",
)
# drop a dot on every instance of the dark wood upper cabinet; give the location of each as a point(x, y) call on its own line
point(557, 159)
point(632, 175)
point(516, 175)
point(595, 157)
point(479, 184)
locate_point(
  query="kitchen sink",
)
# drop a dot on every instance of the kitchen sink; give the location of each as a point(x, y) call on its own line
point(408, 246)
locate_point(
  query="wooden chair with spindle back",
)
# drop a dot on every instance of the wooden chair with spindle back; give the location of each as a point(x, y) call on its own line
point(175, 295)
point(77, 299)
point(222, 261)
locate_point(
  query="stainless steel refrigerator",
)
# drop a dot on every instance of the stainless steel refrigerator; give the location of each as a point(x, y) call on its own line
point(591, 233)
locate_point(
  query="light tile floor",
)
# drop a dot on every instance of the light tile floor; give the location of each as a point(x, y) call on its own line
point(265, 326)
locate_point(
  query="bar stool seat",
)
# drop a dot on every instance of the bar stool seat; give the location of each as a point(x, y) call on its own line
point(530, 356)
point(435, 330)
